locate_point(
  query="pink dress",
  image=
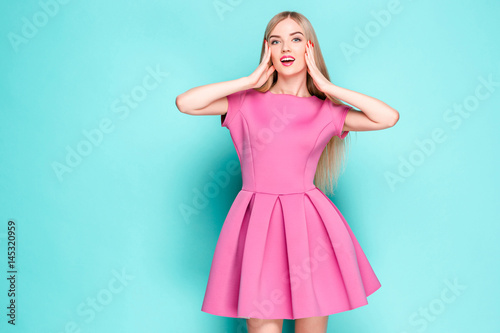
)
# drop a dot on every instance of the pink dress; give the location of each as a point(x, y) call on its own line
point(284, 251)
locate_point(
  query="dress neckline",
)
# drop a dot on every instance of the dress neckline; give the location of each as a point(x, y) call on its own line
point(305, 97)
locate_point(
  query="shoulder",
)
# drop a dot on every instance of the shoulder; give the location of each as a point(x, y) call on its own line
point(236, 102)
point(338, 114)
point(239, 97)
point(336, 109)
point(246, 92)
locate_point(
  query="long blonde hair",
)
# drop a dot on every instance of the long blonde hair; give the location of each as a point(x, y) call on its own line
point(332, 157)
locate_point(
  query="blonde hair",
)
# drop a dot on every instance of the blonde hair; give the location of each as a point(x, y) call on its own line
point(332, 157)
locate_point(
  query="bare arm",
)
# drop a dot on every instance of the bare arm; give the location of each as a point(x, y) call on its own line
point(210, 99)
point(374, 114)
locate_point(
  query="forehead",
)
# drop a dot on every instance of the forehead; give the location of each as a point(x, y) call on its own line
point(285, 27)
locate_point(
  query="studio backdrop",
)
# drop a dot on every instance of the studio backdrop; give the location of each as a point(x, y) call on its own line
point(112, 200)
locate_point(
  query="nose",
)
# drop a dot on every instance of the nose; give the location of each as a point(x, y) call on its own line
point(285, 48)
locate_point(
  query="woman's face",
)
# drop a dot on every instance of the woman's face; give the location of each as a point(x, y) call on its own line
point(288, 39)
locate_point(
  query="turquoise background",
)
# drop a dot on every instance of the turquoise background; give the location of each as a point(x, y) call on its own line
point(115, 242)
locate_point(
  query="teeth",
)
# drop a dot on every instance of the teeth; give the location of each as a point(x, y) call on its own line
point(285, 59)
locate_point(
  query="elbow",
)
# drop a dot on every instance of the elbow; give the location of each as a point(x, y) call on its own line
point(179, 105)
point(394, 119)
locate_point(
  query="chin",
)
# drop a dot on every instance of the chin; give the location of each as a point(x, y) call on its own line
point(291, 71)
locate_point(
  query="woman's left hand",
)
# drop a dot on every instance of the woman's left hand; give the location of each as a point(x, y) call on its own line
point(319, 79)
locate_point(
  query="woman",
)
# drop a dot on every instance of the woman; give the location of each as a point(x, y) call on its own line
point(285, 251)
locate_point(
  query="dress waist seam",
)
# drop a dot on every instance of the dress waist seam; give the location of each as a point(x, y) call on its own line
point(279, 193)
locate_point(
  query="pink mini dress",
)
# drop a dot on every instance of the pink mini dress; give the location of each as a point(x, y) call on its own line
point(284, 251)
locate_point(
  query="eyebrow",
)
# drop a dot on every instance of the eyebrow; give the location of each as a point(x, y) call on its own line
point(293, 33)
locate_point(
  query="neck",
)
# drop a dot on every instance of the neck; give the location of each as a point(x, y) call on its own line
point(291, 86)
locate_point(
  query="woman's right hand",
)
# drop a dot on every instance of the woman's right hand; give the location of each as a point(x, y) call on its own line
point(262, 72)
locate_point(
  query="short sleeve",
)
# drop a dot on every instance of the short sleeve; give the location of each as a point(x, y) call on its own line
point(235, 101)
point(339, 113)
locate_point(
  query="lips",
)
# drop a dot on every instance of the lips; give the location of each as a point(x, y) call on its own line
point(287, 60)
point(286, 57)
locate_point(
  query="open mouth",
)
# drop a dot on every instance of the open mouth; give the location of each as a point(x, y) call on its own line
point(287, 60)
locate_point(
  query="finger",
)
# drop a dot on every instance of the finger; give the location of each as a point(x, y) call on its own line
point(264, 57)
point(267, 54)
point(310, 55)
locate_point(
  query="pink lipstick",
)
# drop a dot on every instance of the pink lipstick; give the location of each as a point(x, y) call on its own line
point(287, 60)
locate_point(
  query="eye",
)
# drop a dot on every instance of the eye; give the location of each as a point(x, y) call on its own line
point(272, 42)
